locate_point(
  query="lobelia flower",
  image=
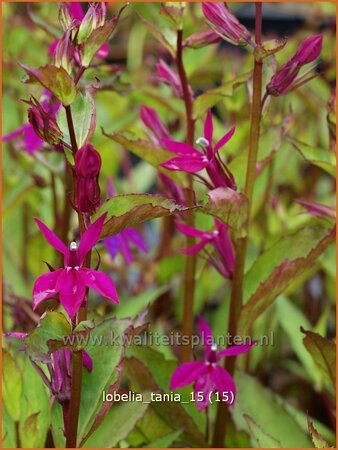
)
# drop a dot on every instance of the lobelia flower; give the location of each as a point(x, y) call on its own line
point(219, 239)
point(225, 24)
point(123, 241)
point(72, 280)
point(208, 377)
point(31, 140)
point(165, 74)
point(190, 160)
point(158, 130)
point(87, 168)
point(286, 78)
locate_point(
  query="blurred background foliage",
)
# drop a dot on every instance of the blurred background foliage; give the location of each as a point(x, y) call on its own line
point(296, 152)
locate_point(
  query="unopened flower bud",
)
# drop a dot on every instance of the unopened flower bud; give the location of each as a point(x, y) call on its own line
point(65, 17)
point(224, 23)
point(44, 124)
point(64, 52)
point(87, 170)
point(286, 78)
point(202, 39)
point(95, 17)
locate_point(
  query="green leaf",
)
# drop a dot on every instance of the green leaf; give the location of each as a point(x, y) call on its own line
point(272, 417)
point(325, 159)
point(11, 385)
point(97, 38)
point(323, 352)
point(165, 36)
point(229, 206)
point(149, 371)
point(165, 441)
point(84, 118)
point(260, 438)
point(291, 319)
point(132, 209)
point(279, 266)
point(316, 437)
point(119, 422)
point(53, 326)
point(35, 409)
point(8, 430)
point(106, 348)
point(132, 306)
point(211, 97)
point(269, 48)
point(55, 79)
point(147, 151)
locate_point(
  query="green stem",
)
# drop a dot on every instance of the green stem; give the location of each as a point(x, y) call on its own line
point(190, 261)
point(236, 300)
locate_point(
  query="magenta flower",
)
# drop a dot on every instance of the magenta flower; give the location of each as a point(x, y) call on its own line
point(165, 74)
point(123, 241)
point(159, 131)
point(208, 377)
point(286, 78)
point(225, 24)
point(219, 238)
point(72, 280)
point(190, 160)
point(30, 140)
point(152, 121)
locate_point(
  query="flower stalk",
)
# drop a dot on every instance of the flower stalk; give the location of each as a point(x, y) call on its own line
point(236, 300)
point(190, 262)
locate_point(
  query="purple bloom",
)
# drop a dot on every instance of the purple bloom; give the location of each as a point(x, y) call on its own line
point(286, 78)
point(225, 24)
point(152, 121)
point(219, 238)
point(72, 280)
point(208, 377)
point(201, 39)
point(190, 160)
point(31, 141)
point(123, 241)
point(168, 76)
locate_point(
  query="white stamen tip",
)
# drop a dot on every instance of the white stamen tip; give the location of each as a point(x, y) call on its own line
point(214, 347)
point(202, 142)
point(73, 246)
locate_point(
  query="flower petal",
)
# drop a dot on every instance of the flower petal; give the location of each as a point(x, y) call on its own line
point(136, 238)
point(187, 164)
point(224, 139)
point(90, 237)
point(206, 335)
point(112, 245)
point(190, 231)
point(223, 381)
point(208, 127)
point(32, 141)
point(99, 282)
point(180, 147)
point(152, 121)
point(52, 238)
point(234, 350)
point(72, 292)
point(195, 248)
point(187, 373)
point(46, 286)
point(203, 389)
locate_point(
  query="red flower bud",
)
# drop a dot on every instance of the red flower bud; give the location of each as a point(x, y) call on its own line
point(44, 124)
point(87, 169)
